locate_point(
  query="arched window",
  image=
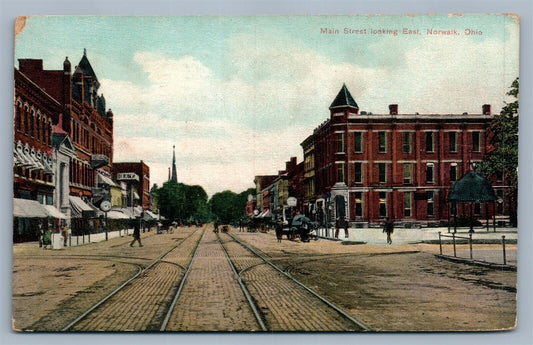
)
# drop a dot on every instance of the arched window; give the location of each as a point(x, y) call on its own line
point(32, 123)
point(49, 127)
point(38, 126)
point(18, 115)
point(46, 133)
point(27, 119)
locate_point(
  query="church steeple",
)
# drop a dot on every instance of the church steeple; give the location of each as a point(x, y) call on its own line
point(174, 174)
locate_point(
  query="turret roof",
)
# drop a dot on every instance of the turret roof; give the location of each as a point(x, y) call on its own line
point(344, 98)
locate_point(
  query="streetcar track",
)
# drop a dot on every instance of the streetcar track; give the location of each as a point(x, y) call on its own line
point(180, 287)
point(142, 270)
point(244, 289)
point(305, 287)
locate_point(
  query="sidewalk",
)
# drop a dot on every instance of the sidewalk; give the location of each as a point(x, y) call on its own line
point(487, 246)
point(413, 235)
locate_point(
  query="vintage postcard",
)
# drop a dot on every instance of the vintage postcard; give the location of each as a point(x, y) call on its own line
point(265, 173)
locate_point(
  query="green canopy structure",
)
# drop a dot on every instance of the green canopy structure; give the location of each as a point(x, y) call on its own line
point(471, 188)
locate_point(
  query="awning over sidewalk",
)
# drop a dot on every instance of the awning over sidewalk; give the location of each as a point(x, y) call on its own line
point(104, 179)
point(150, 215)
point(54, 212)
point(117, 214)
point(78, 206)
point(24, 208)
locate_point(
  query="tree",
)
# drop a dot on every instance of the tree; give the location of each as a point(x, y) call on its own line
point(223, 206)
point(170, 200)
point(178, 200)
point(502, 156)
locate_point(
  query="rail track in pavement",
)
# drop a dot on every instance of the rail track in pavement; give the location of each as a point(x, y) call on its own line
point(285, 304)
point(141, 303)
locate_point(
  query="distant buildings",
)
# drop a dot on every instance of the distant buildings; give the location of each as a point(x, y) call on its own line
point(135, 177)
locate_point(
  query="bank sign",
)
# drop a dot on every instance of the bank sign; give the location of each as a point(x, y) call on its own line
point(129, 176)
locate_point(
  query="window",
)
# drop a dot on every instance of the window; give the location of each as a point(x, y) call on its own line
point(38, 128)
point(453, 172)
point(430, 173)
point(358, 172)
point(407, 142)
point(383, 204)
point(431, 204)
point(340, 172)
point(408, 204)
point(501, 198)
point(382, 142)
point(358, 142)
point(359, 204)
point(499, 176)
point(27, 124)
point(407, 173)
point(452, 136)
point(476, 141)
point(340, 142)
point(18, 116)
point(477, 209)
point(32, 124)
point(430, 142)
point(382, 167)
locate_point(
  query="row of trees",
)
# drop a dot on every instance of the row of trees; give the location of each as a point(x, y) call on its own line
point(191, 203)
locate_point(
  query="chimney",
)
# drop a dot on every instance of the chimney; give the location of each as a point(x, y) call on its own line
point(486, 109)
point(29, 66)
point(393, 109)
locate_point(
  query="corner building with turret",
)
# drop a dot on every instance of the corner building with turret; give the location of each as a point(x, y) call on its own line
point(366, 167)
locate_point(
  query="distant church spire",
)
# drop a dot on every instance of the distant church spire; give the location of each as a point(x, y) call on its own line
point(174, 174)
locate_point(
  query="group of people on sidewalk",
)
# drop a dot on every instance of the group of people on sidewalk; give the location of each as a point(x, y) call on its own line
point(45, 237)
point(388, 228)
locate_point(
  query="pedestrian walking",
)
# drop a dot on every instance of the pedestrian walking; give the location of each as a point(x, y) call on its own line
point(136, 234)
point(337, 227)
point(346, 224)
point(215, 230)
point(40, 233)
point(389, 229)
point(64, 233)
point(47, 238)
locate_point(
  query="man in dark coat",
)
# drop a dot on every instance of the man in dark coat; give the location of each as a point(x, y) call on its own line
point(136, 234)
point(389, 229)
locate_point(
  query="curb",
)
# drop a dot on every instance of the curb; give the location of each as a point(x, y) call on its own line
point(477, 263)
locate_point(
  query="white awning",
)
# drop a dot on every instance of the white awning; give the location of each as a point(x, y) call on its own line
point(127, 211)
point(151, 214)
point(24, 208)
point(115, 214)
point(77, 206)
point(104, 179)
point(54, 212)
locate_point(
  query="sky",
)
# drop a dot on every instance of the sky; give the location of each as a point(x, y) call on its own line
point(237, 95)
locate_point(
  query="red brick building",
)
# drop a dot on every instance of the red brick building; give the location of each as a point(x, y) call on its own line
point(123, 171)
point(62, 121)
point(366, 167)
point(84, 118)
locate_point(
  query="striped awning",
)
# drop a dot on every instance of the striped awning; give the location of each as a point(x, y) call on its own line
point(78, 206)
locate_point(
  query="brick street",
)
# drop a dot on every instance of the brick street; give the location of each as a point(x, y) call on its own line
point(389, 288)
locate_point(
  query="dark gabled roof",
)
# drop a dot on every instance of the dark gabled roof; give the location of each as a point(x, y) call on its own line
point(472, 188)
point(344, 98)
point(86, 67)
